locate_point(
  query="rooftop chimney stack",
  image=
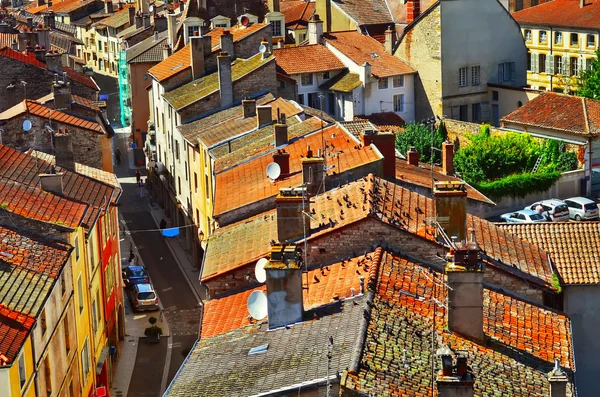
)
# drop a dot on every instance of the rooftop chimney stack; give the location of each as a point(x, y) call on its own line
point(40, 53)
point(131, 13)
point(227, 43)
point(386, 144)
point(146, 21)
point(63, 149)
point(139, 20)
point(558, 381)
point(284, 286)
point(281, 134)
point(282, 158)
point(225, 79)
point(50, 20)
point(313, 173)
point(581, 3)
point(264, 116)
point(166, 51)
point(249, 108)
point(197, 56)
point(62, 95)
point(274, 5)
point(413, 10)
point(448, 158)
point(172, 28)
point(52, 183)
point(54, 62)
point(389, 40)
point(451, 208)
point(30, 22)
point(315, 29)
point(412, 156)
point(291, 206)
point(108, 7)
point(454, 380)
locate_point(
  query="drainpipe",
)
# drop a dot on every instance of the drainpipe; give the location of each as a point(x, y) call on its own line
point(552, 55)
point(35, 362)
point(589, 171)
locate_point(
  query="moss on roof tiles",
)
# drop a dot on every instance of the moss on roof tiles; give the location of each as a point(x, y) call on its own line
point(202, 87)
point(343, 82)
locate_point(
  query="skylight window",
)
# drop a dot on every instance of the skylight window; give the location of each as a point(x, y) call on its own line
point(258, 349)
point(177, 67)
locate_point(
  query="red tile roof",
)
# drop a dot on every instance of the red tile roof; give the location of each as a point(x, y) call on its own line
point(298, 15)
point(75, 99)
point(6, 39)
point(385, 121)
point(180, 60)
point(365, 12)
point(560, 112)
point(39, 205)
point(247, 183)
point(573, 246)
point(37, 109)
point(67, 6)
point(360, 49)
point(522, 339)
point(73, 75)
point(336, 281)
point(564, 13)
point(307, 59)
point(239, 244)
point(31, 265)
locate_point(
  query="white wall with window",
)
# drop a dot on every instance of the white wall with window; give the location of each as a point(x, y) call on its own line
point(389, 94)
point(277, 21)
point(309, 93)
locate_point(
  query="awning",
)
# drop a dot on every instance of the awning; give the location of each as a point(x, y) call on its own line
point(101, 360)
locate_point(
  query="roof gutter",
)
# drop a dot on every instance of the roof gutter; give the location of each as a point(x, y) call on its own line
point(284, 391)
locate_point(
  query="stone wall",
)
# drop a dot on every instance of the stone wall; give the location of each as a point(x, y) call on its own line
point(519, 285)
point(49, 231)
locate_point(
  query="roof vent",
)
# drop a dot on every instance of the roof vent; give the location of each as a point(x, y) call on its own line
point(258, 350)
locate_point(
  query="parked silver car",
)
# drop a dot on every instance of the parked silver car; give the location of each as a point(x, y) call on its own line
point(582, 209)
point(553, 210)
point(522, 216)
point(143, 297)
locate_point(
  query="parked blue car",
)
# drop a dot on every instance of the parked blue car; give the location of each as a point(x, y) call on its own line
point(135, 275)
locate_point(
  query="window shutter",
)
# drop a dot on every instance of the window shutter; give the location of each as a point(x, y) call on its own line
point(513, 70)
point(565, 65)
point(580, 67)
point(535, 59)
point(485, 111)
point(500, 69)
point(549, 64)
point(455, 112)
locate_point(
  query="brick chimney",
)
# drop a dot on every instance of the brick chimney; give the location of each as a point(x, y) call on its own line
point(284, 286)
point(413, 10)
point(412, 156)
point(315, 29)
point(264, 116)
point(464, 271)
point(389, 40)
point(249, 108)
point(63, 149)
point(54, 62)
point(386, 144)
point(160, 23)
point(290, 205)
point(281, 134)
point(197, 56)
point(50, 20)
point(227, 43)
point(139, 20)
point(166, 51)
point(282, 158)
point(29, 22)
point(131, 15)
point(52, 183)
point(172, 28)
point(448, 158)
point(108, 7)
point(62, 95)
point(558, 380)
point(313, 173)
point(225, 79)
point(451, 208)
point(40, 53)
point(454, 380)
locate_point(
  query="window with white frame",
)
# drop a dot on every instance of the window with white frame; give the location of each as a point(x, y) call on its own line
point(399, 103)
point(558, 38)
point(462, 77)
point(276, 26)
point(193, 31)
point(574, 39)
point(527, 34)
point(306, 79)
point(398, 81)
point(382, 83)
point(543, 37)
point(475, 78)
point(591, 40)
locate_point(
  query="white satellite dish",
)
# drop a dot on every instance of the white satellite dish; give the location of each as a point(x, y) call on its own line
point(257, 305)
point(262, 49)
point(259, 270)
point(273, 171)
point(27, 125)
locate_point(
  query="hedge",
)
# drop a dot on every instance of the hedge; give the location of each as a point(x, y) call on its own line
point(518, 185)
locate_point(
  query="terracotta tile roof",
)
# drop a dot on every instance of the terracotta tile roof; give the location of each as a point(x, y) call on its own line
point(565, 13)
point(197, 89)
point(573, 246)
point(365, 12)
point(258, 143)
point(342, 82)
point(6, 39)
point(238, 244)
point(68, 6)
point(360, 49)
point(37, 109)
point(232, 193)
point(30, 267)
point(336, 282)
point(566, 113)
point(87, 184)
point(71, 74)
point(385, 121)
point(22, 16)
point(298, 15)
point(75, 99)
point(522, 339)
point(116, 20)
point(421, 176)
point(39, 205)
point(307, 59)
point(357, 126)
point(180, 60)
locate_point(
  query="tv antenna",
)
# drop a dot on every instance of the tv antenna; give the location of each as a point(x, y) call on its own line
point(259, 270)
point(257, 305)
point(273, 171)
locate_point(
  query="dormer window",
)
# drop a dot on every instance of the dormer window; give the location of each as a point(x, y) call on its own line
point(276, 25)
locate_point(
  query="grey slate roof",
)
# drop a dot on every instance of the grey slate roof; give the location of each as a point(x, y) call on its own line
point(221, 366)
point(148, 50)
point(365, 12)
point(38, 19)
point(63, 41)
point(356, 127)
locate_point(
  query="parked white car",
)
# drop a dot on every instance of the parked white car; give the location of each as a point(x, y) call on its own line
point(582, 209)
point(553, 210)
point(522, 216)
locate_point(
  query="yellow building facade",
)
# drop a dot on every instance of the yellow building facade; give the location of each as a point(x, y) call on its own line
point(558, 56)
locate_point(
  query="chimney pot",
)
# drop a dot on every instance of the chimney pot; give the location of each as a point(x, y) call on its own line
point(315, 29)
point(448, 158)
point(413, 10)
point(290, 205)
point(389, 41)
point(63, 148)
point(225, 79)
point(281, 134)
point(558, 380)
point(283, 160)
point(413, 156)
point(451, 208)
point(264, 116)
point(52, 183)
point(386, 144)
point(249, 108)
point(197, 56)
point(313, 174)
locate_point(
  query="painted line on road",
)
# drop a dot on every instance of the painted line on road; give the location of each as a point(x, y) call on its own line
point(163, 383)
point(176, 344)
point(167, 289)
point(170, 308)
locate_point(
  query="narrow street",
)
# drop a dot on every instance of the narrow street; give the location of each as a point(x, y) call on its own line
point(179, 302)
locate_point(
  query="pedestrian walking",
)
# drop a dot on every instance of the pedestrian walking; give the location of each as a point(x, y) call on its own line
point(163, 223)
point(131, 256)
point(142, 188)
point(138, 177)
point(118, 156)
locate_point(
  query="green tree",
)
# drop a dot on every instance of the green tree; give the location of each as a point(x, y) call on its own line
point(419, 136)
point(589, 82)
